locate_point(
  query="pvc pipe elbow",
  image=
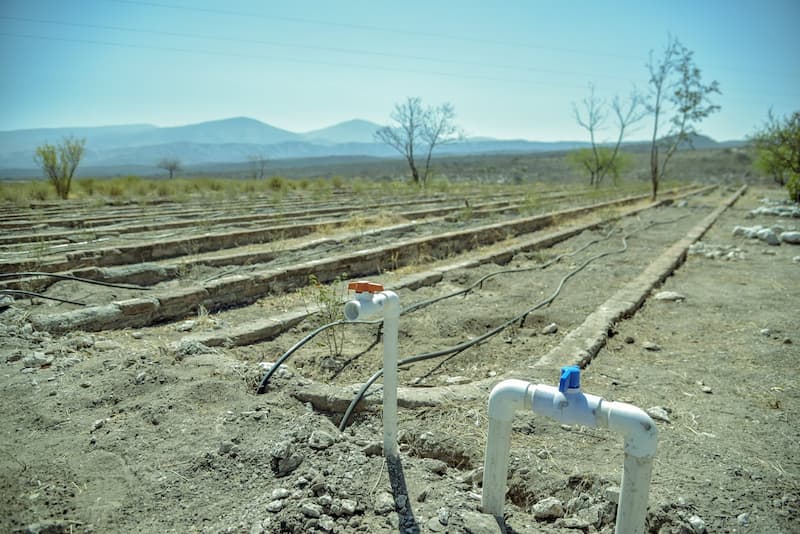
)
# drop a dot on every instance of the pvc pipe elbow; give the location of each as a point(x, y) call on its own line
point(638, 429)
point(507, 397)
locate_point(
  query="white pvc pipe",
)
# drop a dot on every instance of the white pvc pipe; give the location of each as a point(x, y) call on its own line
point(570, 406)
point(369, 306)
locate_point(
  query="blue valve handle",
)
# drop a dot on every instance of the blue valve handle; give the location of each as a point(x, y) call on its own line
point(570, 378)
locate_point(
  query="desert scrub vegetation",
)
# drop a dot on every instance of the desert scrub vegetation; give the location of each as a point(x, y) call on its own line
point(777, 146)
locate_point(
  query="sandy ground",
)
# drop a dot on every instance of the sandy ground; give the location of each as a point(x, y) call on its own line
point(115, 432)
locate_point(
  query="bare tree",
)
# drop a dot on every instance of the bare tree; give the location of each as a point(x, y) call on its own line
point(171, 165)
point(419, 130)
point(59, 163)
point(679, 97)
point(258, 164)
point(600, 161)
point(438, 128)
point(591, 122)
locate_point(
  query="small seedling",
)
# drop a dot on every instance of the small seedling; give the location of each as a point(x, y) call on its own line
point(328, 300)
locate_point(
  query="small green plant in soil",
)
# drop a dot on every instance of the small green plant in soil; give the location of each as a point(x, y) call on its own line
point(329, 300)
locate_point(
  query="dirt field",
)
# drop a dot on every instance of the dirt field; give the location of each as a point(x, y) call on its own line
point(139, 430)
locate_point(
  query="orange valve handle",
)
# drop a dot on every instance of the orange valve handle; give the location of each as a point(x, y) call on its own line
point(363, 286)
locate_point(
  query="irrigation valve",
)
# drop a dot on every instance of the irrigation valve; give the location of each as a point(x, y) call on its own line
point(373, 302)
point(567, 404)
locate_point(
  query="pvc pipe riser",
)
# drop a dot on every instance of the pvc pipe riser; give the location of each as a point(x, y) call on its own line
point(370, 306)
point(572, 407)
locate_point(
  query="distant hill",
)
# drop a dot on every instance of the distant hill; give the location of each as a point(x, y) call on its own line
point(234, 140)
point(353, 131)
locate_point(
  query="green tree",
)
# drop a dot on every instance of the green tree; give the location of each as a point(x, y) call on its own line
point(59, 162)
point(778, 147)
point(417, 132)
point(679, 98)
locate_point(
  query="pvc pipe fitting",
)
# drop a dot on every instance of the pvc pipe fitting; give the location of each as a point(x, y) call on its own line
point(568, 405)
point(371, 303)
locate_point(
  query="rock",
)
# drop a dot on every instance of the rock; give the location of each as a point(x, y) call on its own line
point(374, 448)
point(682, 203)
point(225, 447)
point(186, 326)
point(743, 519)
point(768, 236)
point(477, 523)
point(433, 525)
point(669, 296)
point(326, 523)
point(629, 340)
point(435, 466)
point(796, 259)
point(140, 378)
point(14, 356)
point(552, 328)
point(574, 523)
point(659, 413)
point(475, 476)
point(792, 238)
point(137, 335)
point(549, 508)
point(443, 514)
point(310, 509)
point(189, 347)
point(584, 500)
point(697, 524)
point(706, 389)
point(765, 332)
point(455, 380)
point(284, 458)
point(739, 231)
point(652, 347)
point(611, 493)
point(275, 506)
point(593, 515)
point(98, 424)
point(48, 527)
point(343, 507)
point(280, 493)
point(320, 440)
point(36, 359)
point(107, 344)
point(80, 342)
point(384, 503)
point(282, 372)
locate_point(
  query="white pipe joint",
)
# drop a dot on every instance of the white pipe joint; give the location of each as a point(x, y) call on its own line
point(568, 405)
point(371, 303)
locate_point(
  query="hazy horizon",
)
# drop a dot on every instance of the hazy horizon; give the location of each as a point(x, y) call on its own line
point(511, 71)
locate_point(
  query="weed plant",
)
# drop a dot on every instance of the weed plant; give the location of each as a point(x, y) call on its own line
point(328, 300)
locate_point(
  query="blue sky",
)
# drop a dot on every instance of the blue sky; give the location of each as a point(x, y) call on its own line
point(511, 69)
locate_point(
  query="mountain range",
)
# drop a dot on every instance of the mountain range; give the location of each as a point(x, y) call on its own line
point(235, 140)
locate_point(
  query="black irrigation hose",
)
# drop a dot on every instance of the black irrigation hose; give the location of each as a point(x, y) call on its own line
point(75, 279)
point(262, 387)
point(38, 295)
point(481, 280)
point(264, 381)
point(521, 317)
